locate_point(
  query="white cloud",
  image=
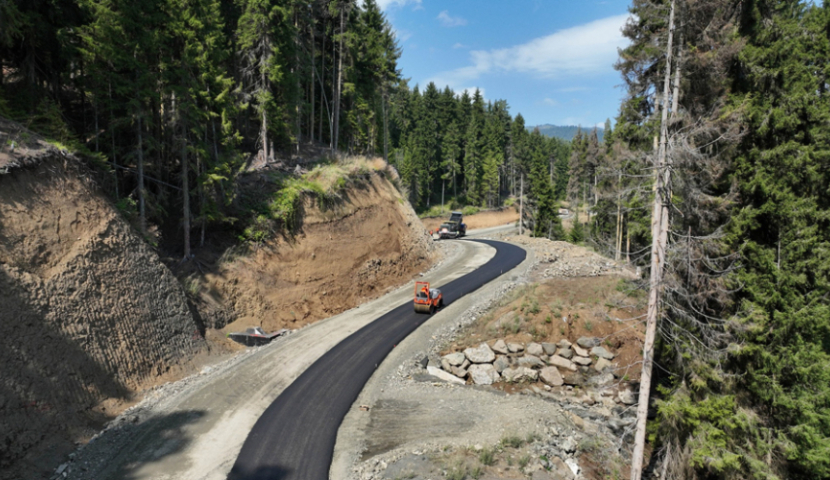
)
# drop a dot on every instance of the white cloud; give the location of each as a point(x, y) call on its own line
point(583, 50)
point(459, 45)
point(401, 34)
point(449, 21)
point(550, 102)
point(385, 4)
point(573, 89)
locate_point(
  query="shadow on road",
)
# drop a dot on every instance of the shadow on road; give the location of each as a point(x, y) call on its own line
point(142, 444)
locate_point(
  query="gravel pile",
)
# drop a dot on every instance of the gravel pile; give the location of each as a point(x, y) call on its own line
point(563, 259)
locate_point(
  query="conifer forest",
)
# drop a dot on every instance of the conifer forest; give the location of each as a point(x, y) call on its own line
point(714, 178)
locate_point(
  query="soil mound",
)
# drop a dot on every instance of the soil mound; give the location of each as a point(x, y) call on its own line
point(89, 313)
point(340, 257)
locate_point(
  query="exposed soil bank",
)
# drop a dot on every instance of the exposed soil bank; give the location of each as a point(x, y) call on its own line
point(89, 313)
point(340, 257)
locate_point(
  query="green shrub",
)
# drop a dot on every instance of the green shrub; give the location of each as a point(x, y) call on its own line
point(486, 457)
point(470, 210)
point(512, 441)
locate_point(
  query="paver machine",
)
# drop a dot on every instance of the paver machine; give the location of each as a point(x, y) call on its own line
point(427, 300)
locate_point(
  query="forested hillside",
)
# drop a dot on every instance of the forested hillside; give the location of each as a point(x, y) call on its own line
point(726, 120)
point(564, 132)
point(172, 99)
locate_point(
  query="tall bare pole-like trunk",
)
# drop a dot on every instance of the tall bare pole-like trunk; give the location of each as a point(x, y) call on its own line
point(618, 237)
point(521, 203)
point(339, 84)
point(659, 235)
point(313, 89)
point(112, 139)
point(185, 194)
point(322, 84)
point(385, 124)
point(298, 110)
point(142, 217)
point(264, 133)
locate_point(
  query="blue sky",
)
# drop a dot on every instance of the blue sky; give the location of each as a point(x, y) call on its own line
point(552, 60)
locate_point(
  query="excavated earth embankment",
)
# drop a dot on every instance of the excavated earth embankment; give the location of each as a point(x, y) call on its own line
point(89, 313)
point(91, 317)
point(342, 256)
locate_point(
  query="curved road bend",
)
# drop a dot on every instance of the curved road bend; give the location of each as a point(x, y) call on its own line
point(294, 438)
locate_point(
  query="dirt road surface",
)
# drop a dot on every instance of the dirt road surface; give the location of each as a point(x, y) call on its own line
point(194, 429)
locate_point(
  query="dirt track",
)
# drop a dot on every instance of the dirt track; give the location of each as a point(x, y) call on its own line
point(193, 429)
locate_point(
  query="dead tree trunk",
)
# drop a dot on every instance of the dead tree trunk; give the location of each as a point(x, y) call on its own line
point(339, 84)
point(185, 194)
point(386, 126)
point(521, 203)
point(659, 235)
point(619, 232)
point(142, 217)
point(313, 68)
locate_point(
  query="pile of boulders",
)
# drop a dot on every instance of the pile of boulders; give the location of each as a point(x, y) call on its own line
point(584, 363)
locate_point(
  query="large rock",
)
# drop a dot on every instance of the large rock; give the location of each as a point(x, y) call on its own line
point(515, 347)
point(500, 347)
point(446, 365)
point(549, 348)
point(517, 374)
point(568, 445)
point(584, 361)
point(481, 354)
point(601, 352)
point(551, 376)
point(564, 343)
point(601, 379)
point(560, 469)
point(580, 351)
point(445, 376)
point(558, 361)
point(531, 361)
point(574, 378)
point(483, 374)
point(565, 353)
point(627, 397)
point(512, 374)
point(455, 359)
point(602, 364)
point(459, 372)
point(501, 363)
point(535, 349)
point(588, 342)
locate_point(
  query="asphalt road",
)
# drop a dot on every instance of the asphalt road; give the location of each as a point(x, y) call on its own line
point(294, 438)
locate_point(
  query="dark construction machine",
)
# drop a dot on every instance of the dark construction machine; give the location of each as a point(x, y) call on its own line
point(255, 336)
point(427, 300)
point(453, 228)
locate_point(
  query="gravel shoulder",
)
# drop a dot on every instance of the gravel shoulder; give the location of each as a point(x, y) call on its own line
point(405, 414)
point(194, 428)
point(408, 424)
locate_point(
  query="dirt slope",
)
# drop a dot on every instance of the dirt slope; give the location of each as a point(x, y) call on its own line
point(340, 258)
point(89, 314)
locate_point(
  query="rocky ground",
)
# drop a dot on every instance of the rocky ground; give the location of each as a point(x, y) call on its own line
point(525, 379)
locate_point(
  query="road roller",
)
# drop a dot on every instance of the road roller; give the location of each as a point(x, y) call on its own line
point(427, 300)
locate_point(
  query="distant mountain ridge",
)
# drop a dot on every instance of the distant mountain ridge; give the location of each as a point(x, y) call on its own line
point(565, 132)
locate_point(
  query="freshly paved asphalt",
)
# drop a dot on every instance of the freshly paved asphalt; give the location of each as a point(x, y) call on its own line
point(294, 438)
